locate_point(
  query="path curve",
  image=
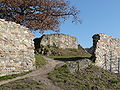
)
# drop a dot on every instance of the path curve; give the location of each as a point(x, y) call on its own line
point(41, 74)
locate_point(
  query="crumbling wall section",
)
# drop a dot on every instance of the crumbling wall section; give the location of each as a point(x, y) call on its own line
point(106, 52)
point(16, 48)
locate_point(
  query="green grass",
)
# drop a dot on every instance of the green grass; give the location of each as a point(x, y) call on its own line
point(86, 79)
point(40, 61)
point(13, 76)
point(24, 84)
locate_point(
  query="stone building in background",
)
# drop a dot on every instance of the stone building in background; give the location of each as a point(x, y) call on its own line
point(16, 48)
point(106, 52)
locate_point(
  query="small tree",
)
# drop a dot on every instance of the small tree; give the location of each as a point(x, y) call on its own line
point(38, 14)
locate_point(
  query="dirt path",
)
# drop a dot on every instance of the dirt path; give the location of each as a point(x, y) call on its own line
point(41, 74)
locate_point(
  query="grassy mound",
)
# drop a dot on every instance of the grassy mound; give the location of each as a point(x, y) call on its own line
point(69, 52)
point(91, 78)
point(24, 84)
point(54, 51)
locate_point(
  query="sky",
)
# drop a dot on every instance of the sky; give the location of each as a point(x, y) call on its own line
point(97, 16)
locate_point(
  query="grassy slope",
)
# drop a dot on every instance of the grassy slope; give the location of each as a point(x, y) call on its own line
point(54, 51)
point(40, 61)
point(91, 77)
point(13, 76)
point(24, 84)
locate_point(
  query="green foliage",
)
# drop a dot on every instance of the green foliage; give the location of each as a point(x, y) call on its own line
point(91, 77)
point(13, 76)
point(40, 61)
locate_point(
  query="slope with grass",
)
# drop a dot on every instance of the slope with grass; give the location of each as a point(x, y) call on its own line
point(55, 51)
point(39, 60)
point(24, 84)
point(91, 78)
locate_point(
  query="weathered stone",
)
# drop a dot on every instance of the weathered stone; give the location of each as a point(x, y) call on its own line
point(15, 53)
point(106, 51)
point(57, 40)
point(78, 65)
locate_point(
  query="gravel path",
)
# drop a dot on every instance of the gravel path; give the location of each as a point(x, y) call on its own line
point(41, 74)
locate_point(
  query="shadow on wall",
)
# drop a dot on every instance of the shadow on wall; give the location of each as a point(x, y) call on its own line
point(37, 44)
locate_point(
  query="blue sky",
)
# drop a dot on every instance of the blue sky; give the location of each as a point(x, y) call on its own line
point(98, 16)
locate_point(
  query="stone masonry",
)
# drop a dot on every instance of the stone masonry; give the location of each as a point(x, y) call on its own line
point(106, 51)
point(59, 41)
point(16, 48)
point(78, 65)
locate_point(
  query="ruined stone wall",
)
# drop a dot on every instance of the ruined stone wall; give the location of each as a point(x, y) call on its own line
point(78, 65)
point(59, 40)
point(106, 51)
point(16, 48)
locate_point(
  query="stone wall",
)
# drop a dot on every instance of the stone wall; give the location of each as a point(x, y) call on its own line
point(59, 41)
point(16, 48)
point(106, 51)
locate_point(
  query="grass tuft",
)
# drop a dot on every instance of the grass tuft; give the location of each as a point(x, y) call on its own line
point(13, 76)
